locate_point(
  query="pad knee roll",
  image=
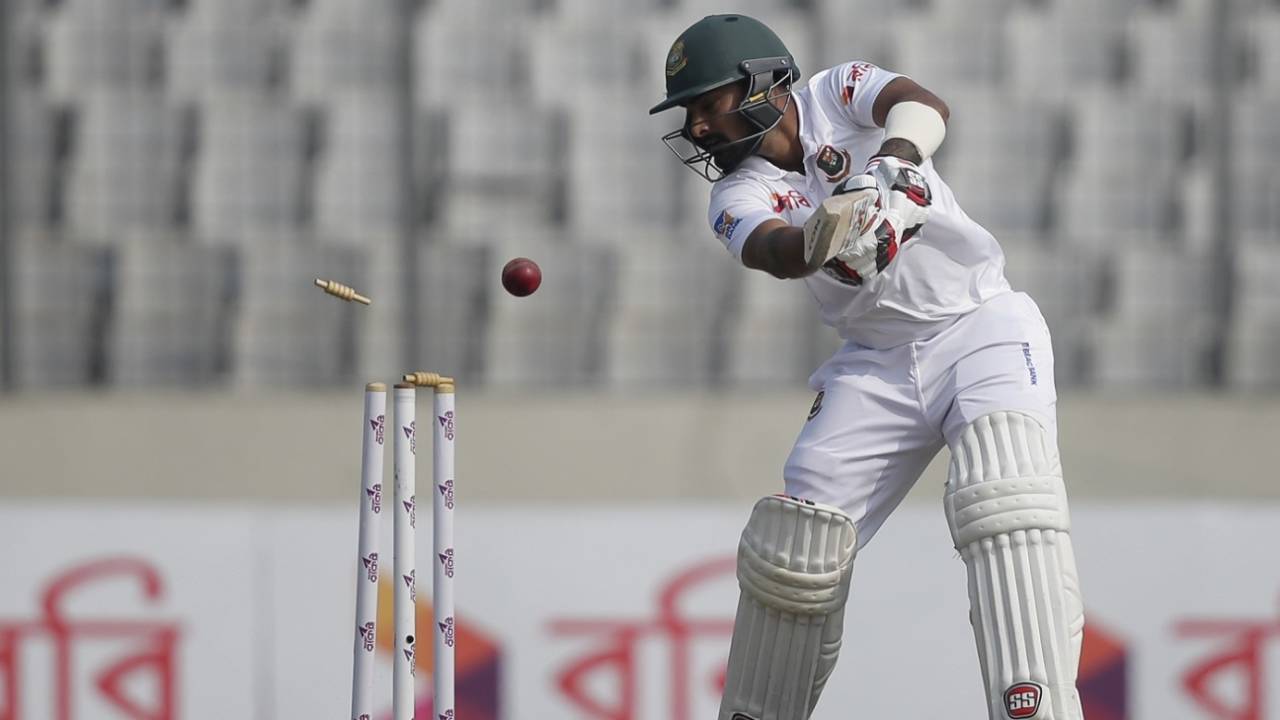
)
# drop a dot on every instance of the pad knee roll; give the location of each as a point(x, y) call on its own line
point(795, 560)
point(1007, 507)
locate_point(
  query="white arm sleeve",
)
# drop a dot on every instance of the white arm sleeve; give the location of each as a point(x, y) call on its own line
point(854, 87)
point(739, 206)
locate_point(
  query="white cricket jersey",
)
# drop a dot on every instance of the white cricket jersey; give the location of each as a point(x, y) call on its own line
point(949, 268)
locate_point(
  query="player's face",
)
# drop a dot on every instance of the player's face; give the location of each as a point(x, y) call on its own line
point(712, 121)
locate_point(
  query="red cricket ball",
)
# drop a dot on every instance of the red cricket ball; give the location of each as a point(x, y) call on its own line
point(521, 276)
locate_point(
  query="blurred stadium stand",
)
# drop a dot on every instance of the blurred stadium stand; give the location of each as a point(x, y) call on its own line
point(179, 170)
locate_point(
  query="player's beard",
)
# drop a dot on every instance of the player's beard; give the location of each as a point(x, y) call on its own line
point(729, 154)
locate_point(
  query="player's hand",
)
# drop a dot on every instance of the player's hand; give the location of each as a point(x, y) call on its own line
point(903, 190)
point(843, 224)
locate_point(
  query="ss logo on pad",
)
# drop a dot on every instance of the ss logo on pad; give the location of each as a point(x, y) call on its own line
point(1022, 700)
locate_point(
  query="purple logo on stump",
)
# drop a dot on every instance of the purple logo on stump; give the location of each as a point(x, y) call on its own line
point(411, 434)
point(446, 627)
point(446, 491)
point(411, 507)
point(411, 581)
point(448, 715)
point(446, 422)
point(446, 559)
point(375, 498)
point(371, 566)
point(379, 425)
point(367, 635)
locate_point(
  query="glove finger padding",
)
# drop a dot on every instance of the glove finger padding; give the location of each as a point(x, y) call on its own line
point(904, 189)
point(839, 221)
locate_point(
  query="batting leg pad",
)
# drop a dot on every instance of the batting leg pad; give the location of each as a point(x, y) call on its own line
point(1007, 506)
point(795, 560)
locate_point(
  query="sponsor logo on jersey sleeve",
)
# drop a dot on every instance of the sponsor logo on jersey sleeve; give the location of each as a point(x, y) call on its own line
point(725, 224)
point(858, 71)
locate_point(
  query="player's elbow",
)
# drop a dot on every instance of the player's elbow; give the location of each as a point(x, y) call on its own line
point(943, 109)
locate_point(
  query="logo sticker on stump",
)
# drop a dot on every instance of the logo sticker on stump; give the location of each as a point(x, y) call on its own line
point(1023, 700)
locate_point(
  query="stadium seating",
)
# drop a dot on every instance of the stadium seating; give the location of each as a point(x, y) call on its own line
point(60, 297)
point(248, 176)
point(666, 306)
point(170, 315)
point(96, 45)
point(209, 157)
point(282, 336)
point(236, 46)
point(125, 174)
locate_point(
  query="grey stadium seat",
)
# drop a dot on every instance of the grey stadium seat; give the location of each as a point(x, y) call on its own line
point(59, 312)
point(769, 332)
point(358, 183)
point(1159, 327)
point(1253, 342)
point(1263, 29)
point(951, 50)
point(999, 158)
point(445, 332)
point(32, 159)
point(1122, 174)
point(501, 164)
point(1066, 284)
point(619, 174)
point(668, 306)
point(1255, 163)
point(1170, 48)
point(284, 333)
point(227, 46)
point(248, 175)
point(552, 338)
point(170, 314)
point(125, 169)
point(465, 58)
point(347, 44)
point(1057, 51)
point(112, 44)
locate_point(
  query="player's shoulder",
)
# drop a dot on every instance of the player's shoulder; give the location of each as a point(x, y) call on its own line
point(840, 82)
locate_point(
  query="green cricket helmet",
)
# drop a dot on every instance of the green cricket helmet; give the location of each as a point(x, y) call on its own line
point(719, 50)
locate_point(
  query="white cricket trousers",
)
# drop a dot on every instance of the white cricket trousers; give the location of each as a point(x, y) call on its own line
point(882, 415)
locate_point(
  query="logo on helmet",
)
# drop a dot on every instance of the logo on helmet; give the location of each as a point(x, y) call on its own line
point(676, 59)
point(833, 163)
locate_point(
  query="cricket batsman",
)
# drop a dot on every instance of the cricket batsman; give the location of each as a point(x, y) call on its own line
point(830, 182)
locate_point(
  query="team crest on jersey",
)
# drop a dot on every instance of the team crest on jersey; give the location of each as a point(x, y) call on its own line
point(725, 224)
point(833, 162)
point(817, 405)
point(676, 59)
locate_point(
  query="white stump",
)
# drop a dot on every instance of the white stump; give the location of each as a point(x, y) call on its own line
point(402, 685)
point(442, 542)
point(371, 453)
